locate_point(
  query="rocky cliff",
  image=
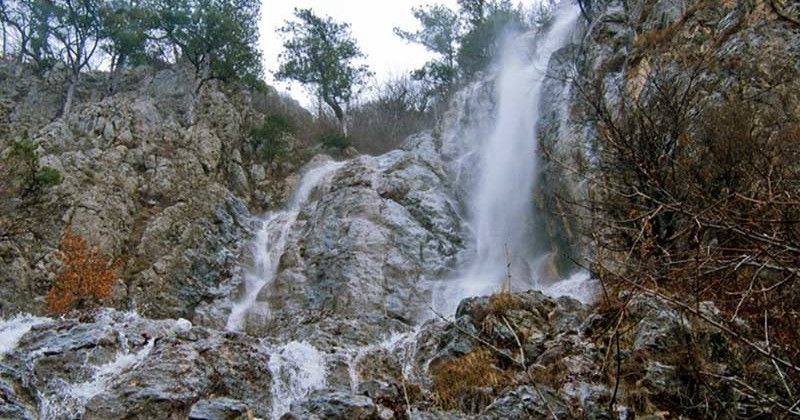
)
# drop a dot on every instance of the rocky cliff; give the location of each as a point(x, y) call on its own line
point(152, 175)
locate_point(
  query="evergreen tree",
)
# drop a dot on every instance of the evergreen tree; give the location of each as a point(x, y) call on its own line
point(218, 37)
point(439, 33)
point(321, 53)
point(481, 42)
point(127, 28)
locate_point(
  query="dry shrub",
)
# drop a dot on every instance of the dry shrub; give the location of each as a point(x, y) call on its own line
point(502, 302)
point(467, 376)
point(696, 196)
point(84, 279)
point(396, 111)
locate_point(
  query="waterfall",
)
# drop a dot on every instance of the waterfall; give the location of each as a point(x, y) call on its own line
point(501, 201)
point(270, 242)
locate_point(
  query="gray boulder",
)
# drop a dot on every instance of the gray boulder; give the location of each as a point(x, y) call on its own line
point(333, 405)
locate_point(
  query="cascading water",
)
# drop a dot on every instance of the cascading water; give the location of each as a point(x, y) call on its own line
point(270, 242)
point(501, 203)
point(12, 330)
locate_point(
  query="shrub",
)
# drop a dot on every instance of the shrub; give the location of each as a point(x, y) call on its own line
point(270, 139)
point(21, 184)
point(31, 176)
point(47, 177)
point(334, 140)
point(84, 279)
point(695, 197)
point(398, 110)
point(467, 377)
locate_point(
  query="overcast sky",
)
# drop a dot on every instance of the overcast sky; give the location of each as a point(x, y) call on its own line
point(372, 25)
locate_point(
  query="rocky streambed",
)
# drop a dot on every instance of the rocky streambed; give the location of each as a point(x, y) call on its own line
point(520, 355)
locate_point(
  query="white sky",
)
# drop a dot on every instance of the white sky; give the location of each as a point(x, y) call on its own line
point(372, 23)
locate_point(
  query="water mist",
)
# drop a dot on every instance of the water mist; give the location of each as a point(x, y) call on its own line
point(501, 203)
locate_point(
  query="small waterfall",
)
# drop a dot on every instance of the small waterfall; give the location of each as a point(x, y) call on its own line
point(12, 330)
point(297, 369)
point(65, 399)
point(501, 204)
point(105, 374)
point(270, 242)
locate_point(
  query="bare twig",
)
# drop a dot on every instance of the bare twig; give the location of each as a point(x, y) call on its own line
point(708, 320)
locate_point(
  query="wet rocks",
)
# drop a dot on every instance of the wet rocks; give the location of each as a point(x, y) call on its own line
point(334, 405)
point(219, 409)
point(119, 365)
point(362, 247)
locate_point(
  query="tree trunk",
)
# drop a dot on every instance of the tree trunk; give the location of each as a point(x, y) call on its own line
point(115, 66)
point(339, 112)
point(73, 82)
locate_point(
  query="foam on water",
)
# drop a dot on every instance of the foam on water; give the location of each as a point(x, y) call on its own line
point(12, 330)
point(297, 369)
point(104, 374)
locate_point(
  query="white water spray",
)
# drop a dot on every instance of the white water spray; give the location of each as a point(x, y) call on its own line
point(270, 243)
point(502, 203)
point(12, 330)
point(297, 369)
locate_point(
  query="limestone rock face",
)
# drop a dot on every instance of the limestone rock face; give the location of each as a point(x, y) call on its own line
point(153, 175)
point(363, 247)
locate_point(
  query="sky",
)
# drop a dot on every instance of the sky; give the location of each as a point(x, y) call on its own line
point(372, 23)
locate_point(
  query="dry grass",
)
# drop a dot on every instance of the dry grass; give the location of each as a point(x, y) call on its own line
point(467, 375)
point(502, 302)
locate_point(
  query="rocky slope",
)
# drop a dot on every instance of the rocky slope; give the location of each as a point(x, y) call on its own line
point(151, 175)
point(509, 356)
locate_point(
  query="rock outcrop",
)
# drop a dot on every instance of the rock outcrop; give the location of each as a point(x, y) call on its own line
point(153, 175)
point(364, 248)
point(119, 365)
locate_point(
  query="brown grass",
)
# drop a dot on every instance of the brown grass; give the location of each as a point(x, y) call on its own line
point(455, 379)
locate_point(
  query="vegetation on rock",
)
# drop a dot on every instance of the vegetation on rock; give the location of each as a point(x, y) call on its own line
point(84, 278)
point(474, 375)
point(218, 38)
point(270, 138)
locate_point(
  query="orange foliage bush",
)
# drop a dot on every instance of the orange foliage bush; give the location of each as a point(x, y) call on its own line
point(84, 279)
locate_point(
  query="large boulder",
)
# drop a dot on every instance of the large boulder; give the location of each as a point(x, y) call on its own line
point(333, 405)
